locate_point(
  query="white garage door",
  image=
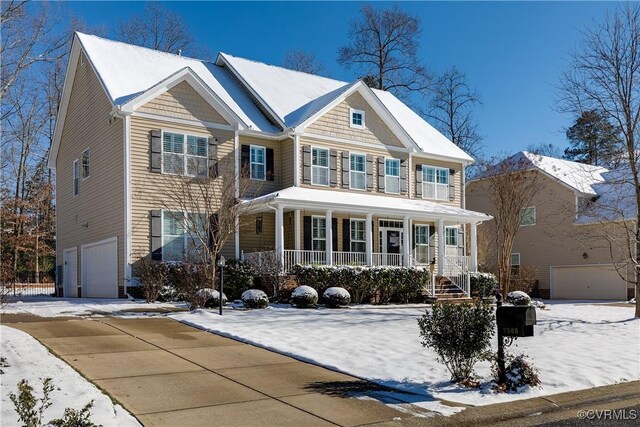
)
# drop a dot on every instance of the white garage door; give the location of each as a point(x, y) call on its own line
point(587, 282)
point(100, 269)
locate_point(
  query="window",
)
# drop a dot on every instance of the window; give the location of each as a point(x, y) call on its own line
point(319, 233)
point(392, 176)
point(86, 155)
point(421, 238)
point(451, 236)
point(515, 263)
point(528, 216)
point(357, 172)
point(76, 178)
point(258, 163)
point(320, 166)
point(357, 118)
point(181, 236)
point(435, 183)
point(358, 240)
point(179, 158)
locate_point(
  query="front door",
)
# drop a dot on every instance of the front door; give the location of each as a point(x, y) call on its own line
point(70, 274)
point(391, 241)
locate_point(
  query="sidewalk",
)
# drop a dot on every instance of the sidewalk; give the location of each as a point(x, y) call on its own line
point(167, 373)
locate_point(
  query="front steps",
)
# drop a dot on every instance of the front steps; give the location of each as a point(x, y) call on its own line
point(447, 291)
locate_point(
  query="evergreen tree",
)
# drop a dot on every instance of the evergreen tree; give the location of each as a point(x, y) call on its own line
point(594, 140)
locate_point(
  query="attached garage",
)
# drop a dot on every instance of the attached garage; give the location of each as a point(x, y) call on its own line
point(100, 269)
point(587, 282)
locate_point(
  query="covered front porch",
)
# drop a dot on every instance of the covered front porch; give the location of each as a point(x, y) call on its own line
point(308, 226)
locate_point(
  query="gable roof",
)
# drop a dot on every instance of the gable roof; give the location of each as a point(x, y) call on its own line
point(615, 198)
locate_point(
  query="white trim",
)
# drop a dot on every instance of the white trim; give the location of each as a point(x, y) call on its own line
point(236, 158)
point(188, 122)
point(392, 176)
point(435, 183)
point(296, 160)
point(184, 154)
point(463, 187)
point(325, 231)
point(64, 270)
point(328, 167)
point(351, 240)
point(351, 187)
point(325, 138)
point(127, 202)
point(457, 230)
point(519, 259)
point(264, 163)
point(353, 111)
point(75, 175)
point(83, 260)
point(82, 164)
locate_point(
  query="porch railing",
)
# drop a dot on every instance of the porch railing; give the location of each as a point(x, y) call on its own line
point(456, 268)
point(293, 257)
point(386, 259)
point(349, 258)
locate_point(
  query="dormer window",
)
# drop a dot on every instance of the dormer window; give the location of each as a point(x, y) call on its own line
point(357, 118)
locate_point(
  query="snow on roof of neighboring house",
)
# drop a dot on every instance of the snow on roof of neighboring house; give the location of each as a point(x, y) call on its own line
point(615, 198)
point(355, 202)
point(127, 71)
point(579, 176)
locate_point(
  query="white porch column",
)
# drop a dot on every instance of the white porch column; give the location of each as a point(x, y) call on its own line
point(329, 237)
point(368, 227)
point(440, 247)
point(474, 248)
point(296, 233)
point(406, 245)
point(280, 235)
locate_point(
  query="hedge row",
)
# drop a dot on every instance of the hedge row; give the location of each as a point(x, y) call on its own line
point(366, 284)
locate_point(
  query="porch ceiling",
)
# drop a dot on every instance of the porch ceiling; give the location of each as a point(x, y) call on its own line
point(342, 201)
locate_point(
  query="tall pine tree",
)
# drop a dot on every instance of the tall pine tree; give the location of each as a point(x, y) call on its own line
point(594, 140)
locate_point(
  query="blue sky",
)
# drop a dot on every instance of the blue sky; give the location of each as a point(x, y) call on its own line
point(512, 53)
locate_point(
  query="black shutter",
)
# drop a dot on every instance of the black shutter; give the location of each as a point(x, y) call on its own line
point(245, 161)
point(306, 221)
point(156, 235)
point(413, 237)
point(345, 169)
point(381, 174)
point(306, 164)
point(419, 181)
point(155, 137)
point(346, 235)
point(452, 185)
point(270, 167)
point(334, 234)
point(333, 168)
point(403, 176)
point(213, 157)
point(369, 172)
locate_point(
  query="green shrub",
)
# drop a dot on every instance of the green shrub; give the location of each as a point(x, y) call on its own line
point(75, 418)
point(187, 280)
point(518, 298)
point(304, 297)
point(460, 334)
point(153, 277)
point(238, 277)
point(483, 284)
point(255, 298)
point(335, 297)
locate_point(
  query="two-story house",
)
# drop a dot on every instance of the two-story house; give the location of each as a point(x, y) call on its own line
point(348, 175)
point(575, 254)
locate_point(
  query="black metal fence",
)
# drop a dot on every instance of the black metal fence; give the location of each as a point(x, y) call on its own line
point(30, 285)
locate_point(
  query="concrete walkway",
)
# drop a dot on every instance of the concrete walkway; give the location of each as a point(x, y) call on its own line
point(169, 374)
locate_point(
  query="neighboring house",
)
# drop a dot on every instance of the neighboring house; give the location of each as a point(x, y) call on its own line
point(349, 175)
point(561, 236)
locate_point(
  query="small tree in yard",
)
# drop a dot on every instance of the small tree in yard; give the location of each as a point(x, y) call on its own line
point(460, 334)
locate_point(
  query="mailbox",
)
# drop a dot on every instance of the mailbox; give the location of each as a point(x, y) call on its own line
point(516, 321)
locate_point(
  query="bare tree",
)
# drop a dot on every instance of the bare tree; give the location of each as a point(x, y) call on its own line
point(299, 60)
point(158, 28)
point(451, 110)
point(512, 185)
point(542, 149)
point(603, 75)
point(383, 46)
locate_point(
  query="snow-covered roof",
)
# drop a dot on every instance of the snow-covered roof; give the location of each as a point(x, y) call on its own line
point(343, 201)
point(615, 198)
point(127, 71)
point(579, 176)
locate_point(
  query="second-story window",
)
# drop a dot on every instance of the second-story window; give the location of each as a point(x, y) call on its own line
point(528, 216)
point(356, 118)
point(357, 172)
point(179, 158)
point(435, 183)
point(86, 157)
point(76, 178)
point(392, 176)
point(258, 163)
point(320, 166)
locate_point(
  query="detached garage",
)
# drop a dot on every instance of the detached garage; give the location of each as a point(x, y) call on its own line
point(587, 282)
point(100, 269)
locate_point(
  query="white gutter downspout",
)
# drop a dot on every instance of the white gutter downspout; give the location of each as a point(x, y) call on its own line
point(464, 185)
point(296, 160)
point(127, 201)
point(236, 158)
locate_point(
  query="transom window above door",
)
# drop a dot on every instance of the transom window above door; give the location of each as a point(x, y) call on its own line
point(319, 166)
point(357, 171)
point(435, 183)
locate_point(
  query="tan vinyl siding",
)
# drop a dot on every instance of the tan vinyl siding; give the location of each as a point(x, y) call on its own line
point(336, 122)
point(259, 188)
point(286, 163)
point(553, 241)
point(148, 189)
point(97, 213)
point(182, 101)
point(340, 147)
point(457, 177)
point(250, 241)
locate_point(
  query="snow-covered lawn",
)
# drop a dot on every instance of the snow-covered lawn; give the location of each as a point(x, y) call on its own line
point(576, 346)
point(26, 358)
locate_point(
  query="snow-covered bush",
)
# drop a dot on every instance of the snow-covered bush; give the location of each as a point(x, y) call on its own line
point(482, 284)
point(255, 298)
point(460, 334)
point(519, 372)
point(336, 297)
point(212, 297)
point(518, 298)
point(538, 304)
point(304, 297)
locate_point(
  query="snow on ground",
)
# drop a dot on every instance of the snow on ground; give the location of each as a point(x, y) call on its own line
point(54, 307)
point(577, 345)
point(27, 359)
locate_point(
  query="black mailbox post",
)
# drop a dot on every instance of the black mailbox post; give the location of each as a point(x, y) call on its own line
point(516, 321)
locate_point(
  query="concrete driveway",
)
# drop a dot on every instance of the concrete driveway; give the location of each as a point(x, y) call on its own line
point(169, 374)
